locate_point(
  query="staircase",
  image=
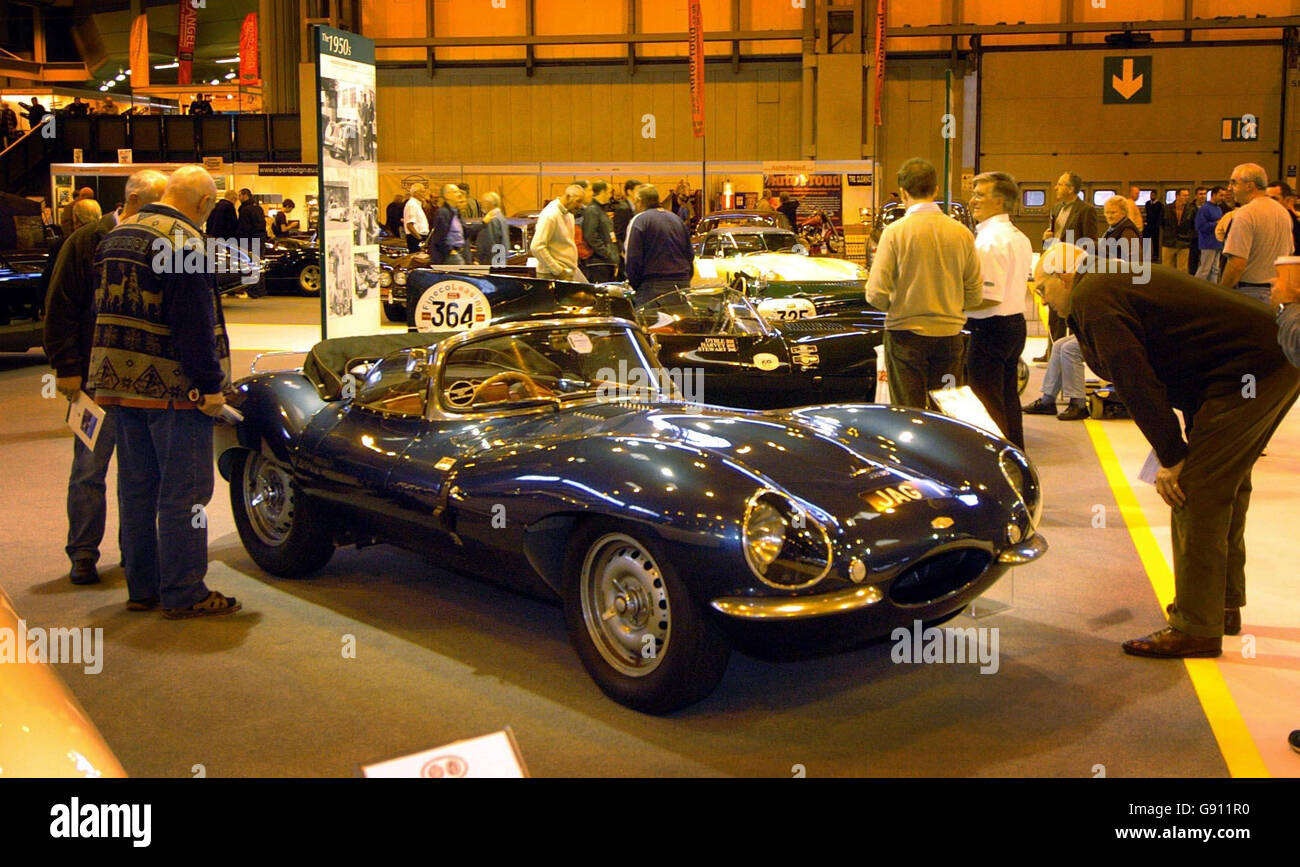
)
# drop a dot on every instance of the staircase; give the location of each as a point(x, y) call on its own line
point(25, 165)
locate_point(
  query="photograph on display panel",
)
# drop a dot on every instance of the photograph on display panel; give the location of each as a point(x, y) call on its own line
point(348, 120)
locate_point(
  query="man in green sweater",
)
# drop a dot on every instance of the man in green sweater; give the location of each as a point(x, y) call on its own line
point(925, 275)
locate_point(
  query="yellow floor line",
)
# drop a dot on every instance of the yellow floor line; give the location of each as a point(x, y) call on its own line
point(1235, 743)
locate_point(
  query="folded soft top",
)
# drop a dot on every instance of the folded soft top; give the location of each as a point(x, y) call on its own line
point(330, 360)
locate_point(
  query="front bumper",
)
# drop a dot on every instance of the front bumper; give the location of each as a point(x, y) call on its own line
point(844, 617)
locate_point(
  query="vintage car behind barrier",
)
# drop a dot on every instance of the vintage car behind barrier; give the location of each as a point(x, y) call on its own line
point(771, 266)
point(717, 343)
point(553, 457)
point(395, 270)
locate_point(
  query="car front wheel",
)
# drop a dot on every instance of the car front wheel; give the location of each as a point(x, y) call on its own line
point(287, 533)
point(309, 279)
point(640, 635)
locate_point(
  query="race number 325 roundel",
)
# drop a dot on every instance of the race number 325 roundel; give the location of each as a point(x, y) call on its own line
point(452, 305)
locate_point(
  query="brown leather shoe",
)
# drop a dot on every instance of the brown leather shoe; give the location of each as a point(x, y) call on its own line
point(1169, 643)
point(1231, 619)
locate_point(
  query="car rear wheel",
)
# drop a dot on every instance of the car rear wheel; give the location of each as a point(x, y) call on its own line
point(640, 635)
point(309, 279)
point(1022, 376)
point(286, 532)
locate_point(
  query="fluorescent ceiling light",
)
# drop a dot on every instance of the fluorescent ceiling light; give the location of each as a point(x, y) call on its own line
point(226, 60)
point(172, 65)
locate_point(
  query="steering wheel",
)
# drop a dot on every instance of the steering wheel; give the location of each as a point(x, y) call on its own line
point(534, 390)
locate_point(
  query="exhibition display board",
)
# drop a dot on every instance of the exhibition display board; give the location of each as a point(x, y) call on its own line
point(349, 183)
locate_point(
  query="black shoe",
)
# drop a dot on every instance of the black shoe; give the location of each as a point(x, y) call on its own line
point(84, 572)
point(1075, 411)
point(1042, 406)
point(1294, 740)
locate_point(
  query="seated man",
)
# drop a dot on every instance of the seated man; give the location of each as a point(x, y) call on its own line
point(1065, 374)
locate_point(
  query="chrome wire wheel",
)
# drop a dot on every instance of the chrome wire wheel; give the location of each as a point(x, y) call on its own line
point(268, 500)
point(309, 279)
point(625, 605)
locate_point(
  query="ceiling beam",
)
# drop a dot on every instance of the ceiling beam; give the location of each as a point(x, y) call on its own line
point(1094, 27)
point(585, 39)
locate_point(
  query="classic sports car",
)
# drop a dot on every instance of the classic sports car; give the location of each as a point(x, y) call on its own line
point(395, 271)
point(292, 264)
point(715, 341)
point(551, 456)
point(769, 264)
point(22, 299)
point(736, 220)
point(447, 300)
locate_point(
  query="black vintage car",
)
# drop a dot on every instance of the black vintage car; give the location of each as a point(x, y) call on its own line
point(291, 264)
point(22, 299)
point(720, 349)
point(396, 268)
point(554, 457)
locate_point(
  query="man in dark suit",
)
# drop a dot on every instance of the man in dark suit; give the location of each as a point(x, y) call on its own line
point(252, 219)
point(1072, 220)
point(223, 222)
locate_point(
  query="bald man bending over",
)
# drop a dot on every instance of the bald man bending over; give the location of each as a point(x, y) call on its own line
point(69, 326)
point(159, 364)
point(1174, 342)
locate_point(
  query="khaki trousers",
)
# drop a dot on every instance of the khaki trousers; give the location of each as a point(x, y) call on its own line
point(1224, 439)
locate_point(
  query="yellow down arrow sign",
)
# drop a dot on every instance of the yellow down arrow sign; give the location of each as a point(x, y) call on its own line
point(1127, 84)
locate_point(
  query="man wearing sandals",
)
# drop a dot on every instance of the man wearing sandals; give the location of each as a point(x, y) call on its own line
point(158, 364)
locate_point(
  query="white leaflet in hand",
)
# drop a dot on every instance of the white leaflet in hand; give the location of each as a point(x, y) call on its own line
point(963, 405)
point(1149, 468)
point(85, 418)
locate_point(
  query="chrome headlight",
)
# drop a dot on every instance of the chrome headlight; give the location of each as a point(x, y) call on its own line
point(400, 278)
point(1023, 479)
point(785, 546)
point(385, 278)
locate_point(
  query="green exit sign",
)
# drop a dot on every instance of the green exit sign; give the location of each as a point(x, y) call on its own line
point(1244, 128)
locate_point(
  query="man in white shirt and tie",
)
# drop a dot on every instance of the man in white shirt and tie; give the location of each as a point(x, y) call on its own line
point(997, 326)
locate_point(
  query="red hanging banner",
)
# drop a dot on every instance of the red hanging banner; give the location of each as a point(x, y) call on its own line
point(186, 35)
point(882, 11)
point(248, 50)
point(697, 68)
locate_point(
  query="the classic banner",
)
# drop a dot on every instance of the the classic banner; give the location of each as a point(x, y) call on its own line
point(186, 35)
point(139, 51)
point(882, 12)
point(697, 69)
point(349, 183)
point(248, 50)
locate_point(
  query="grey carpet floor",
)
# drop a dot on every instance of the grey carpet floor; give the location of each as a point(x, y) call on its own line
point(441, 656)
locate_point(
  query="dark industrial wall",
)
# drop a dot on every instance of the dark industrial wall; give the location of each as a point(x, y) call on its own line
point(1042, 114)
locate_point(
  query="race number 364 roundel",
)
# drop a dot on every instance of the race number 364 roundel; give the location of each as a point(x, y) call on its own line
point(452, 305)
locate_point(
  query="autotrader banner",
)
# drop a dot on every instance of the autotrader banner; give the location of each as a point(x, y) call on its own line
point(349, 183)
point(819, 191)
point(697, 69)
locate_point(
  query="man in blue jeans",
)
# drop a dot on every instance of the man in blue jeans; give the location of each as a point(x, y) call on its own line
point(69, 324)
point(159, 362)
point(1065, 376)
